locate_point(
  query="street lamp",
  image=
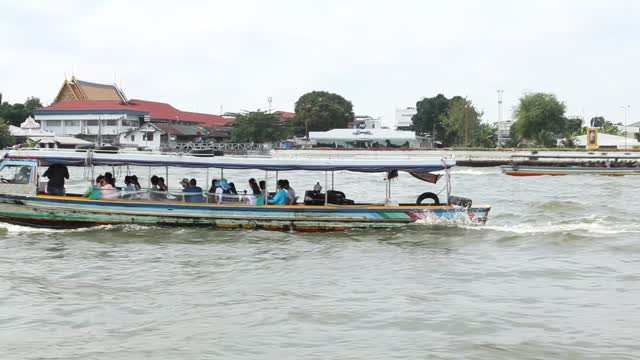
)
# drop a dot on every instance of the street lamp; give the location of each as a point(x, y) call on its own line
point(625, 108)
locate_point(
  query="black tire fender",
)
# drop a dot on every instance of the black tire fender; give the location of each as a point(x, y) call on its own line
point(428, 195)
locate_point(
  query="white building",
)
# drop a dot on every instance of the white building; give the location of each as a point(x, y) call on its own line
point(102, 121)
point(155, 136)
point(31, 130)
point(101, 126)
point(503, 131)
point(606, 141)
point(403, 118)
point(365, 138)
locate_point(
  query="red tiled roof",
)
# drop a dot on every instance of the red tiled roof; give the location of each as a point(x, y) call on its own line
point(156, 110)
point(285, 115)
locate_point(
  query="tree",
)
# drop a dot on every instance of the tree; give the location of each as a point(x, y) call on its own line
point(450, 121)
point(429, 117)
point(605, 126)
point(31, 104)
point(597, 121)
point(17, 113)
point(257, 127)
point(485, 136)
point(540, 119)
point(5, 135)
point(460, 121)
point(321, 111)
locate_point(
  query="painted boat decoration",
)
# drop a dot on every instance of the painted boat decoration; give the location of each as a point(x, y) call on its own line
point(23, 202)
point(557, 165)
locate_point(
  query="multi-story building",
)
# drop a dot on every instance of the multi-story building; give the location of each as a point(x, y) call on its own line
point(404, 118)
point(503, 131)
point(100, 113)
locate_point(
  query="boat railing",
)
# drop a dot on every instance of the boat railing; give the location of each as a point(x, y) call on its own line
point(176, 196)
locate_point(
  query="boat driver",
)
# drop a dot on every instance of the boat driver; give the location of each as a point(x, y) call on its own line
point(56, 174)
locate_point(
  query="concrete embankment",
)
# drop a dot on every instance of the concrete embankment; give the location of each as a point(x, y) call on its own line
point(476, 158)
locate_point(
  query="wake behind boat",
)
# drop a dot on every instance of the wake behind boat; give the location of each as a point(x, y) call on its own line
point(557, 165)
point(22, 200)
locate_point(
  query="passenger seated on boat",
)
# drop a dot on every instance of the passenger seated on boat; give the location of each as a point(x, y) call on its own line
point(196, 190)
point(291, 194)
point(56, 174)
point(136, 183)
point(222, 187)
point(155, 180)
point(93, 191)
point(108, 191)
point(232, 189)
point(257, 192)
point(184, 182)
point(161, 184)
point(110, 179)
point(128, 184)
point(214, 186)
point(281, 195)
point(255, 188)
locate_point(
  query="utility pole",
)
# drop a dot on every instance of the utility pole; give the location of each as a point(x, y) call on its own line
point(500, 91)
point(625, 107)
point(466, 123)
point(269, 100)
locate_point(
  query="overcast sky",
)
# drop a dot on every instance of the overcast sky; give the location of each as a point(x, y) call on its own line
point(380, 55)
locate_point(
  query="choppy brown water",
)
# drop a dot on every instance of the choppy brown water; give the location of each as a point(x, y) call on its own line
point(555, 273)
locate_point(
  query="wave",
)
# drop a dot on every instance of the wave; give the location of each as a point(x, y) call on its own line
point(19, 229)
point(476, 171)
point(550, 228)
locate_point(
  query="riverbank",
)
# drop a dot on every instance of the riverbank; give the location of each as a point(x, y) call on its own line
point(473, 158)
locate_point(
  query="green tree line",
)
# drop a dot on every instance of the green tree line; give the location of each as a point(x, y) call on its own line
point(14, 114)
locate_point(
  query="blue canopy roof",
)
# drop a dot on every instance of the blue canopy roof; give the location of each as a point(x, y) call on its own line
point(80, 158)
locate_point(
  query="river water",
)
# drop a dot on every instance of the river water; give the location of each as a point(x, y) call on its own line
point(554, 274)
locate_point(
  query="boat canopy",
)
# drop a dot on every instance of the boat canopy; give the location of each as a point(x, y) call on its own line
point(87, 158)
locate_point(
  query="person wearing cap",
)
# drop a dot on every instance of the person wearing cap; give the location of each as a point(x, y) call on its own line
point(185, 183)
point(222, 186)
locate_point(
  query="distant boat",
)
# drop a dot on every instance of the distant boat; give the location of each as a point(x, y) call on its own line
point(206, 152)
point(22, 203)
point(558, 165)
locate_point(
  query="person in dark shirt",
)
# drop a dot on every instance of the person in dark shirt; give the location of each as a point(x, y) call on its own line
point(255, 188)
point(56, 174)
point(195, 189)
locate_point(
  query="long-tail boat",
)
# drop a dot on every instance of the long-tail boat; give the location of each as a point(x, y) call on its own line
point(605, 164)
point(23, 199)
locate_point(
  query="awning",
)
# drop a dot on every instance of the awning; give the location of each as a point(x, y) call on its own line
point(187, 161)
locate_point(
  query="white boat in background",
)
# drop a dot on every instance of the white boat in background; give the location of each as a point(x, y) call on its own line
point(558, 165)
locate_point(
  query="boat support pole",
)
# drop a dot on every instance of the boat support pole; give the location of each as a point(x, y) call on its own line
point(332, 180)
point(166, 175)
point(326, 186)
point(149, 177)
point(206, 183)
point(265, 195)
point(387, 190)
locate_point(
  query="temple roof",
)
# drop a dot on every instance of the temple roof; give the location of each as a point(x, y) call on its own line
point(74, 90)
point(155, 110)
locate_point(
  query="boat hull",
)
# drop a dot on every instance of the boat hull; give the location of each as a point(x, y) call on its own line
point(76, 212)
point(570, 170)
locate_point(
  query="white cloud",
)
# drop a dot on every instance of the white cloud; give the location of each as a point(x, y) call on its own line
point(199, 55)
